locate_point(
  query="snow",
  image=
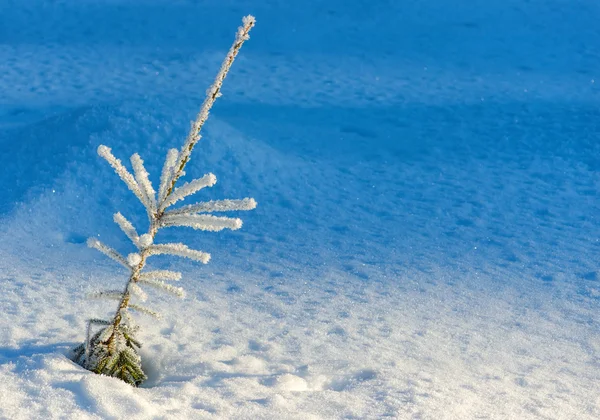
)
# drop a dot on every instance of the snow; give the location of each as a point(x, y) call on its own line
point(426, 240)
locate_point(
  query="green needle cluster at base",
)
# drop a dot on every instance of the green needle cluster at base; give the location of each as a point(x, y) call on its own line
point(113, 353)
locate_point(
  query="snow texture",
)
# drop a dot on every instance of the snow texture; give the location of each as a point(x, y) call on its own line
point(428, 237)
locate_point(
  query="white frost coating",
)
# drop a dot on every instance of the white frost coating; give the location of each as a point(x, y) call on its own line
point(126, 227)
point(167, 173)
point(145, 240)
point(177, 291)
point(189, 188)
point(144, 310)
point(215, 206)
point(212, 94)
point(243, 33)
point(123, 173)
point(157, 275)
point(143, 180)
point(180, 250)
point(134, 259)
point(95, 243)
point(137, 291)
point(202, 222)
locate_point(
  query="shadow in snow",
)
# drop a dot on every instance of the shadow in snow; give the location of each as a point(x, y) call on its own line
point(30, 349)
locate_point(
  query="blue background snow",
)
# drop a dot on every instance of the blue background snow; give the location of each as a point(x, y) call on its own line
point(427, 236)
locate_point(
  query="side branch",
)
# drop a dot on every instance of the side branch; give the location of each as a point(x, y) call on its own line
point(126, 227)
point(177, 291)
point(202, 222)
point(144, 310)
point(214, 206)
point(123, 173)
point(187, 189)
point(167, 174)
point(179, 250)
point(108, 251)
point(158, 275)
point(143, 180)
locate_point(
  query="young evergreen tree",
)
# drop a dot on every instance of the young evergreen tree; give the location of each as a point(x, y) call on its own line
point(113, 349)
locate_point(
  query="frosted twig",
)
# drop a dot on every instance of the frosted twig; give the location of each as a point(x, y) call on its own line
point(202, 222)
point(144, 310)
point(178, 291)
point(167, 174)
point(215, 206)
point(180, 250)
point(157, 275)
point(123, 173)
point(187, 189)
point(212, 94)
point(126, 227)
point(143, 180)
point(137, 290)
point(95, 243)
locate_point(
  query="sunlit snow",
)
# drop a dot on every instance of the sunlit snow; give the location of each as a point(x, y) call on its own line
point(426, 243)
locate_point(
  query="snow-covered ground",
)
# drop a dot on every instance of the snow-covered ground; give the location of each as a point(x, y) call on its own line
point(427, 240)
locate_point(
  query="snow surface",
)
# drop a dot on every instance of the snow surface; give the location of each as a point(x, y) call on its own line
point(427, 234)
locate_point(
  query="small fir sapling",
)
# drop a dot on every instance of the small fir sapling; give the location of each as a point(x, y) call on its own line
point(113, 349)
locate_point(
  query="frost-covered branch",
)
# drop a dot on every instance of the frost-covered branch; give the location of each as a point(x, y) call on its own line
point(180, 250)
point(123, 173)
point(212, 94)
point(108, 251)
point(158, 275)
point(137, 291)
point(187, 189)
point(177, 291)
point(126, 227)
point(215, 206)
point(143, 180)
point(144, 310)
point(202, 222)
point(167, 174)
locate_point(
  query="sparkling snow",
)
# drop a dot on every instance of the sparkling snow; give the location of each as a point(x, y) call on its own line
point(427, 237)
